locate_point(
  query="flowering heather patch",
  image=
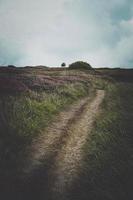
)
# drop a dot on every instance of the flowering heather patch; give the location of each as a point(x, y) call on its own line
point(72, 78)
point(9, 85)
point(43, 82)
point(19, 80)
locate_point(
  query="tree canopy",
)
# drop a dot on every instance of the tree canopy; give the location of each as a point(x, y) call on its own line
point(80, 65)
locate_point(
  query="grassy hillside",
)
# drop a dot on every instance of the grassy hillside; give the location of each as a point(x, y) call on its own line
point(30, 99)
point(107, 165)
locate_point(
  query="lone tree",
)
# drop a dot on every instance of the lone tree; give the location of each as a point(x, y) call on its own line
point(63, 64)
point(11, 66)
point(80, 65)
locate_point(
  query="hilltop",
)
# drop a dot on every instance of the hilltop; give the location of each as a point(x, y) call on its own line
point(60, 126)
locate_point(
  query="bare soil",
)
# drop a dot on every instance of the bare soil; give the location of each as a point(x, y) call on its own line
point(68, 162)
point(61, 147)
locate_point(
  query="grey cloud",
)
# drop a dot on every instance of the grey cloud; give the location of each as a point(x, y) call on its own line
point(49, 32)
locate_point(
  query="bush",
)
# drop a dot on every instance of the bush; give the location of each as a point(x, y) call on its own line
point(11, 66)
point(80, 65)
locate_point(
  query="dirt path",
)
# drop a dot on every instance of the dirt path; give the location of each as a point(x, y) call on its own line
point(48, 144)
point(61, 146)
point(69, 160)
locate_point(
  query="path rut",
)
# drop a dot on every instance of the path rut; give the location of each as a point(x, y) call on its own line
point(62, 144)
point(48, 143)
point(68, 162)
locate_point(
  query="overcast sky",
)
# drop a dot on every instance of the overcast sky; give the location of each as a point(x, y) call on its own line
point(49, 32)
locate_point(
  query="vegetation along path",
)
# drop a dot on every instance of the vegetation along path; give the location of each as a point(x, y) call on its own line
point(61, 146)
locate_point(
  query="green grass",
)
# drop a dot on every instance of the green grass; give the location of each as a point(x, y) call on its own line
point(107, 168)
point(108, 160)
point(24, 116)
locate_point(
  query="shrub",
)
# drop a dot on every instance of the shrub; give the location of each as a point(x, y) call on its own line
point(80, 65)
point(11, 66)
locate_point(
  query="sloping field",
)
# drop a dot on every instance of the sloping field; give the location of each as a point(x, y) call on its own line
point(30, 100)
point(65, 134)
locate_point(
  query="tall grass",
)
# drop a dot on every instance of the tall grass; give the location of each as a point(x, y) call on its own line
point(24, 116)
point(107, 170)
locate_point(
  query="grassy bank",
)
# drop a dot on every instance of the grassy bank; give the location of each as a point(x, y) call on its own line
point(23, 116)
point(107, 170)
